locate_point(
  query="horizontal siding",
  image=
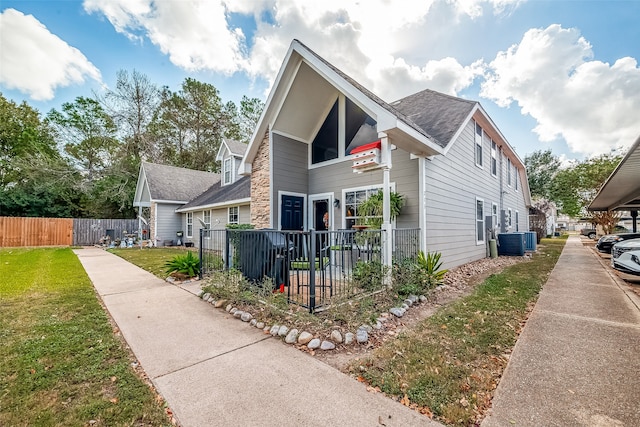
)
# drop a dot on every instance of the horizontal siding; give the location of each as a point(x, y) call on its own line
point(452, 183)
point(169, 222)
point(219, 221)
point(337, 177)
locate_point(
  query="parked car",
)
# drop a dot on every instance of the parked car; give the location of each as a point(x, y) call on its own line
point(625, 256)
point(589, 232)
point(605, 243)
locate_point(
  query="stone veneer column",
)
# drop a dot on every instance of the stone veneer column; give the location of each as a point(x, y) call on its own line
point(261, 186)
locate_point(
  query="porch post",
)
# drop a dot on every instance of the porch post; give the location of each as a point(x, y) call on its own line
point(387, 251)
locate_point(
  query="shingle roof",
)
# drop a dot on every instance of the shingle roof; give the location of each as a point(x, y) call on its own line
point(218, 193)
point(438, 114)
point(177, 184)
point(237, 148)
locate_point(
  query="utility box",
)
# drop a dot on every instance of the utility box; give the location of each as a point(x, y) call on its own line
point(511, 244)
point(530, 240)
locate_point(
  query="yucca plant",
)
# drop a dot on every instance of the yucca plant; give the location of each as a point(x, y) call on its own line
point(187, 264)
point(430, 265)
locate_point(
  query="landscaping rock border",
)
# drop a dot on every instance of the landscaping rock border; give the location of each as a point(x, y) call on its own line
point(306, 339)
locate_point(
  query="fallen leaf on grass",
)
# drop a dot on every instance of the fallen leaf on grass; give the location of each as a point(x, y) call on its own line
point(371, 389)
point(405, 400)
point(114, 400)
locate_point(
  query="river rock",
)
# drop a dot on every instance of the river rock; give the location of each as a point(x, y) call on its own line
point(291, 337)
point(327, 345)
point(304, 338)
point(336, 336)
point(313, 344)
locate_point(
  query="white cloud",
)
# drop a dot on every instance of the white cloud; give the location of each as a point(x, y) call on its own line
point(36, 62)
point(552, 76)
point(362, 38)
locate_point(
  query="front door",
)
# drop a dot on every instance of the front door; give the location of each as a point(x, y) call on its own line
point(292, 213)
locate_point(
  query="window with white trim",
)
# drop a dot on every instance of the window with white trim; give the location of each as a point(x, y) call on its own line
point(480, 224)
point(352, 200)
point(509, 172)
point(189, 224)
point(517, 221)
point(206, 218)
point(478, 144)
point(227, 171)
point(494, 158)
point(509, 218)
point(233, 215)
point(515, 177)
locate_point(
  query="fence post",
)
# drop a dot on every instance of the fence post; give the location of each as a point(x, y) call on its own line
point(200, 251)
point(311, 258)
point(227, 249)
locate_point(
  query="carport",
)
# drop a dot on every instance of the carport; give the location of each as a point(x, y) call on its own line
point(621, 191)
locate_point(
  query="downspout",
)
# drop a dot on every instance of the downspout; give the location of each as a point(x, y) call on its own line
point(501, 190)
point(422, 208)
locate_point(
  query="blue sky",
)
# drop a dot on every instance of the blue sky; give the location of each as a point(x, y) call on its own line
point(552, 74)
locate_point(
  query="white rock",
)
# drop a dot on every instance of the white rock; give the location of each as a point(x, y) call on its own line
point(366, 328)
point(229, 307)
point(404, 306)
point(246, 317)
point(282, 331)
point(291, 337)
point(233, 310)
point(423, 299)
point(314, 343)
point(206, 296)
point(397, 311)
point(336, 336)
point(327, 345)
point(362, 336)
point(260, 325)
point(237, 313)
point(408, 302)
point(253, 322)
point(348, 338)
point(304, 338)
point(274, 330)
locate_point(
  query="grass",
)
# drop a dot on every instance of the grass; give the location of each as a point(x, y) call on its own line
point(449, 365)
point(60, 363)
point(152, 260)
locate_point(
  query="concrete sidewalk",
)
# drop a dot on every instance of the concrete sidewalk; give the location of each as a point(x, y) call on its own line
point(215, 370)
point(577, 360)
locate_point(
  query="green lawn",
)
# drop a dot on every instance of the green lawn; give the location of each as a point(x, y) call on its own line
point(60, 363)
point(151, 259)
point(449, 365)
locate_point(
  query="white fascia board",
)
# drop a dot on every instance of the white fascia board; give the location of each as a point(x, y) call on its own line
point(244, 201)
point(432, 146)
point(139, 186)
point(497, 130)
point(221, 150)
point(170, 202)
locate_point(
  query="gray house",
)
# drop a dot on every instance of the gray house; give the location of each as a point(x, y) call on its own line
point(173, 199)
point(324, 144)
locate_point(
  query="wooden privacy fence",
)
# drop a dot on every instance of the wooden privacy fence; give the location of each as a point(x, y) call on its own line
point(15, 231)
point(35, 231)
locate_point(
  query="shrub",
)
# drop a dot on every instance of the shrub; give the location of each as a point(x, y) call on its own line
point(187, 264)
point(430, 267)
point(407, 278)
point(369, 275)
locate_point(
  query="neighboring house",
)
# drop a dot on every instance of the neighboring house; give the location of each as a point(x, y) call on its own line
point(178, 199)
point(458, 174)
point(225, 202)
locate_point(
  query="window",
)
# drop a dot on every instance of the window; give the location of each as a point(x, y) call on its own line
point(206, 218)
point(515, 178)
point(354, 199)
point(360, 128)
point(509, 218)
point(479, 221)
point(509, 172)
point(478, 145)
point(233, 215)
point(227, 171)
point(517, 221)
point(494, 158)
point(189, 224)
point(494, 215)
point(325, 145)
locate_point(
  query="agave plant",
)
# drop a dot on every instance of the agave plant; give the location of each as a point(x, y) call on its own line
point(187, 264)
point(430, 265)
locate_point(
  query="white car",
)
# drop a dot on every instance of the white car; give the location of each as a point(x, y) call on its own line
point(625, 256)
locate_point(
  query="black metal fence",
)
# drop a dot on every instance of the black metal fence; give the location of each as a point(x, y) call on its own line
point(406, 243)
point(311, 267)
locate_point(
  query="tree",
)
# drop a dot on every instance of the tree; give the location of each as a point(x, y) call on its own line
point(574, 187)
point(190, 124)
point(542, 167)
point(132, 106)
point(250, 112)
point(87, 134)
